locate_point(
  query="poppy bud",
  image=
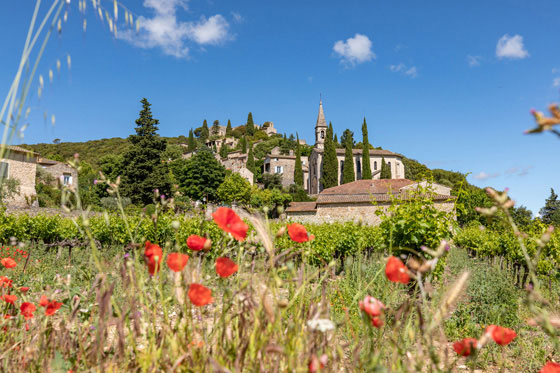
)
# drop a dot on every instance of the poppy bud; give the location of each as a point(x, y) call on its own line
point(207, 244)
point(281, 232)
point(283, 303)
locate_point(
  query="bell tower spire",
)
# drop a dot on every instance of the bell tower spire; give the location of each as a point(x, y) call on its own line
point(320, 127)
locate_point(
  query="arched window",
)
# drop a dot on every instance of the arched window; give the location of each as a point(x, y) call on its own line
point(375, 166)
point(322, 134)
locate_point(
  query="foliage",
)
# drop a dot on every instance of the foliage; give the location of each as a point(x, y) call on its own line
point(348, 174)
point(385, 170)
point(298, 168)
point(329, 177)
point(272, 181)
point(200, 176)
point(234, 189)
point(172, 152)
point(299, 194)
point(215, 128)
point(347, 135)
point(144, 170)
point(550, 213)
point(250, 125)
point(112, 204)
point(229, 130)
point(251, 161)
point(366, 166)
point(522, 216)
point(191, 144)
point(204, 133)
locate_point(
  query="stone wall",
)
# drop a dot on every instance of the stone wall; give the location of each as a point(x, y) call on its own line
point(21, 167)
point(356, 212)
point(59, 170)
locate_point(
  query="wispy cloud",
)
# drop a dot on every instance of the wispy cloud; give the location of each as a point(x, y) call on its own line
point(556, 82)
point(473, 60)
point(511, 47)
point(237, 17)
point(518, 171)
point(165, 31)
point(485, 176)
point(354, 50)
point(410, 71)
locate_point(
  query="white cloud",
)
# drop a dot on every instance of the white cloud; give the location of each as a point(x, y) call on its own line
point(354, 50)
point(484, 176)
point(164, 30)
point(555, 70)
point(411, 71)
point(556, 82)
point(237, 17)
point(511, 47)
point(473, 60)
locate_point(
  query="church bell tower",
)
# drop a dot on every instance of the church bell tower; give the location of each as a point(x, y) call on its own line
point(320, 128)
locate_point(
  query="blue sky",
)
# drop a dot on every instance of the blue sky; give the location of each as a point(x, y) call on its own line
point(447, 83)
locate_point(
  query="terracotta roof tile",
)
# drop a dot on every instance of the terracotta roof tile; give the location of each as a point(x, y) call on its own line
point(377, 186)
point(302, 207)
point(14, 148)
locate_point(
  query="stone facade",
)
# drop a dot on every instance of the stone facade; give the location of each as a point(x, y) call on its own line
point(359, 201)
point(63, 173)
point(284, 164)
point(20, 164)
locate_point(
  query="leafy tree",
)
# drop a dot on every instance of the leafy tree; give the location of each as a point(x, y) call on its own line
point(298, 168)
point(172, 152)
point(385, 170)
point(251, 160)
point(468, 200)
point(366, 167)
point(285, 146)
point(347, 135)
point(235, 189)
point(272, 181)
point(144, 170)
point(299, 194)
point(550, 213)
point(224, 150)
point(330, 161)
point(216, 128)
point(229, 130)
point(9, 188)
point(204, 132)
point(348, 174)
point(250, 126)
point(200, 176)
point(191, 144)
point(414, 170)
point(522, 216)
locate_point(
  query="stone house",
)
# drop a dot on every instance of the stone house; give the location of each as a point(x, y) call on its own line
point(358, 201)
point(284, 164)
point(63, 173)
point(268, 127)
point(20, 164)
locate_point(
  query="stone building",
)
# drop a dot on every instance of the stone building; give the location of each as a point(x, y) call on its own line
point(20, 164)
point(63, 173)
point(393, 160)
point(284, 164)
point(268, 127)
point(358, 201)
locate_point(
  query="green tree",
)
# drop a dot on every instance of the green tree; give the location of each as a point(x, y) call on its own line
point(204, 132)
point(235, 189)
point(385, 170)
point(347, 135)
point(522, 216)
point(348, 174)
point(216, 128)
point(9, 188)
point(172, 152)
point(550, 213)
point(330, 161)
point(224, 150)
point(251, 161)
point(250, 126)
point(335, 140)
point(144, 170)
point(200, 176)
point(366, 166)
point(298, 168)
point(191, 144)
point(243, 145)
point(229, 130)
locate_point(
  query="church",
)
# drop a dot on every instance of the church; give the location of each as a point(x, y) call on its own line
point(315, 161)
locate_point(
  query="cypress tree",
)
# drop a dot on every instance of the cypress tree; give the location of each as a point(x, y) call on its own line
point(229, 130)
point(224, 151)
point(251, 161)
point(250, 126)
point(348, 170)
point(144, 170)
point(330, 161)
point(205, 132)
point(366, 167)
point(298, 169)
point(336, 144)
point(385, 170)
point(243, 142)
point(191, 144)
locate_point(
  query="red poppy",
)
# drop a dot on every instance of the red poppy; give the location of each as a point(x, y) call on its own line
point(7, 317)
point(317, 363)
point(5, 282)
point(396, 271)
point(24, 289)
point(52, 307)
point(153, 256)
point(377, 322)
point(8, 262)
point(177, 261)
point(200, 295)
point(43, 301)
point(371, 306)
point(501, 335)
point(230, 222)
point(298, 233)
point(27, 309)
point(465, 347)
point(550, 367)
point(225, 267)
point(10, 298)
point(195, 242)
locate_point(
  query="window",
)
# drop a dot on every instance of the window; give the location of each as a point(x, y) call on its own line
point(322, 134)
point(341, 171)
point(4, 170)
point(67, 179)
point(359, 169)
point(279, 169)
point(375, 166)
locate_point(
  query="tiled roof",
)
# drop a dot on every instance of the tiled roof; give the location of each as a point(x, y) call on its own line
point(46, 161)
point(14, 148)
point(371, 190)
point(302, 207)
point(380, 152)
